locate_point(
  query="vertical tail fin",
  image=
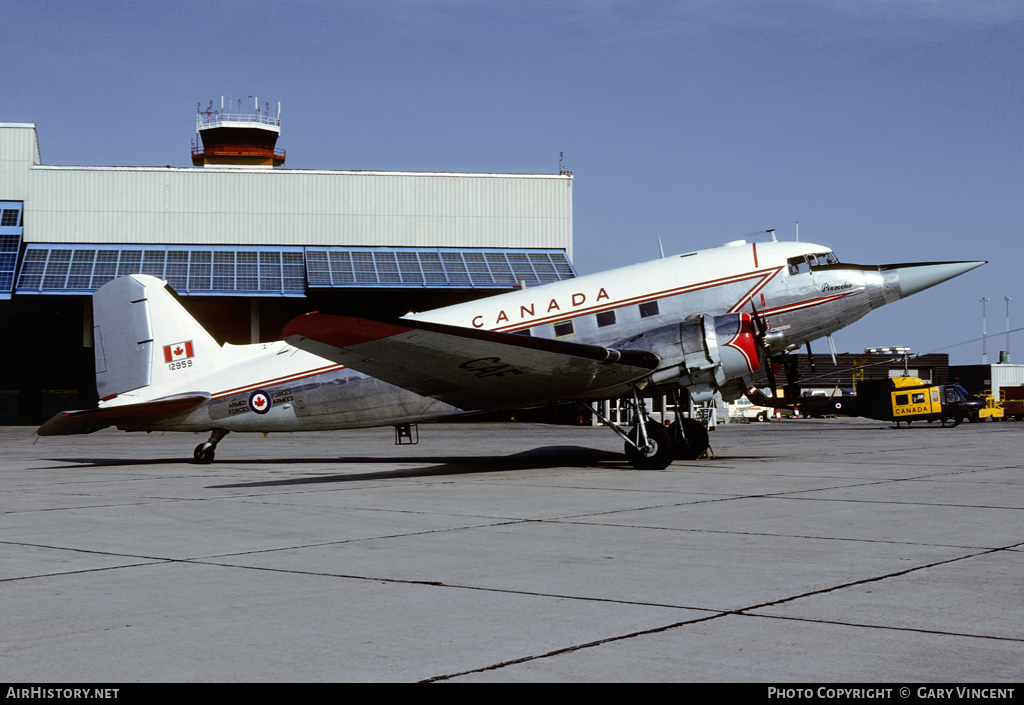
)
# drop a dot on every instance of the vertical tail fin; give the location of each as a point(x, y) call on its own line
point(144, 338)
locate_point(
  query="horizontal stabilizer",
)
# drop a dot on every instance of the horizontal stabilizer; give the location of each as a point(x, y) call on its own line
point(468, 368)
point(67, 423)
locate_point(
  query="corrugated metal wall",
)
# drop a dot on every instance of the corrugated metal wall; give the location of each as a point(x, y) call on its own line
point(1006, 376)
point(932, 367)
point(274, 207)
point(18, 152)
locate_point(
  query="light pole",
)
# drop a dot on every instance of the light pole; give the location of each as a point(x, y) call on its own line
point(1007, 300)
point(984, 340)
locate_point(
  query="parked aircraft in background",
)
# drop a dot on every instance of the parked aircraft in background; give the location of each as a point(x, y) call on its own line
point(704, 321)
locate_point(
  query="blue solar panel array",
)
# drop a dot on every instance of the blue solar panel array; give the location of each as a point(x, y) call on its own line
point(281, 271)
point(435, 267)
point(188, 269)
point(10, 243)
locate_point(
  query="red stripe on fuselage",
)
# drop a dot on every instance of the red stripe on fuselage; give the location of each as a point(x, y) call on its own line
point(765, 277)
point(756, 288)
point(788, 308)
point(278, 380)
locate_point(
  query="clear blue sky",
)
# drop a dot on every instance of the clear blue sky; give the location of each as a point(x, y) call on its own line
point(890, 129)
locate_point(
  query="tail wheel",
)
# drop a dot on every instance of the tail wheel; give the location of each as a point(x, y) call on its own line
point(660, 450)
point(203, 454)
point(693, 441)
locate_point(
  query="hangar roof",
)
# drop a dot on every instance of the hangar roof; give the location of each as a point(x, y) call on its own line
point(276, 232)
point(273, 207)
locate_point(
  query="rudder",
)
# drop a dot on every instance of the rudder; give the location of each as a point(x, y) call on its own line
point(144, 338)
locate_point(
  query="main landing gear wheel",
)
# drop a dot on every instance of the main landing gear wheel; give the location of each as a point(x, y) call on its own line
point(660, 450)
point(692, 442)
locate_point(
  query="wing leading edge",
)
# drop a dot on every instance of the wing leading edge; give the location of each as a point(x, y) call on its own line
point(470, 369)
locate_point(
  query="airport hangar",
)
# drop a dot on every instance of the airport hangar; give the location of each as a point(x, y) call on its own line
point(248, 245)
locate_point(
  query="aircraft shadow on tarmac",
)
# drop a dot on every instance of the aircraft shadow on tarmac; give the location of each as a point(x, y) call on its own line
point(538, 458)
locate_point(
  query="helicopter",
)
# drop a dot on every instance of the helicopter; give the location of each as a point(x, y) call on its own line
point(900, 399)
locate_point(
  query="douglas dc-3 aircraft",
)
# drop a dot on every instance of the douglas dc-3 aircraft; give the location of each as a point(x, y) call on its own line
point(706, 321)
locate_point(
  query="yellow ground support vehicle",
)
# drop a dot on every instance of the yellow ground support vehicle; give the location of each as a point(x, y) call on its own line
point(1009, 405)
point(993, 407)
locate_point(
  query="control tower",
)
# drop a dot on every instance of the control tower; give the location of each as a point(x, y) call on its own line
point(237, 136)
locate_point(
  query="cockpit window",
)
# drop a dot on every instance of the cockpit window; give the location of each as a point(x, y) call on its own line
point(802, 264)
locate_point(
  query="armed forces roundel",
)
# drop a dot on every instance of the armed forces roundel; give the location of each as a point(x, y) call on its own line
point(259, 401)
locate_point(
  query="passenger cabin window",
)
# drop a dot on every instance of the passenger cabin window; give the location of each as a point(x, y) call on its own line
point(649, 309)
point(935, 396)
point(605, 318)
point(524, 331)
point(919, 398)
point(563, 328)
point(902, 399)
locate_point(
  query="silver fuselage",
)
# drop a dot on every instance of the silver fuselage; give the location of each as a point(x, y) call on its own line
point(800, 289)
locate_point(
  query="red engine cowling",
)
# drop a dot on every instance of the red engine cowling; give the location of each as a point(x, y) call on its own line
point(716, 350)
point(737, 340)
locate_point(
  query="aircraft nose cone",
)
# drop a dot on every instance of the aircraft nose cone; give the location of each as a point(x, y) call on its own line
point(917, 277)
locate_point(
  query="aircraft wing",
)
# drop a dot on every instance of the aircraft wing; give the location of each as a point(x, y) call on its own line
point(470, 369)
point(89, 420)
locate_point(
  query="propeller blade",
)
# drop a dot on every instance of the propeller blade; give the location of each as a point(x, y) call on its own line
point(766, 355)
point(770, 369)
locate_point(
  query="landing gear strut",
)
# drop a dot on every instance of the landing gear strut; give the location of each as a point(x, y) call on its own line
point(689, 435)
point(649, 445)
point(203, 454)
point(658, 452)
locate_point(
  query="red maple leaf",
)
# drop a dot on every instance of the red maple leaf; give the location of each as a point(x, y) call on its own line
point(258, 402)
point(178, 350)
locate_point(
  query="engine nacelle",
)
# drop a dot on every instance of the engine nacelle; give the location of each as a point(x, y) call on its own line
point(703, 353)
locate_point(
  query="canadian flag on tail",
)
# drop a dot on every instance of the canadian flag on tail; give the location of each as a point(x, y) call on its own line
point(178, 351)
